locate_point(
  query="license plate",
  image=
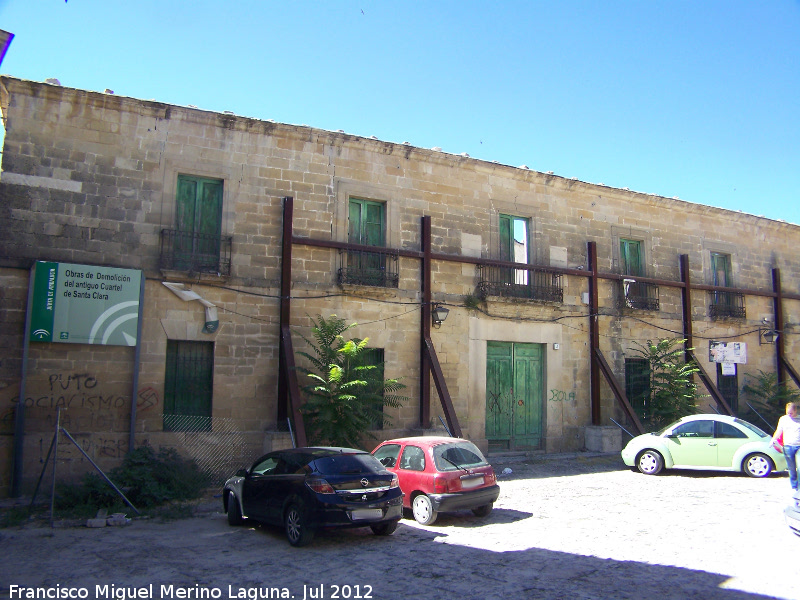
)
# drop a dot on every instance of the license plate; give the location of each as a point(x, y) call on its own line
point(472, 482)
point(364, 514)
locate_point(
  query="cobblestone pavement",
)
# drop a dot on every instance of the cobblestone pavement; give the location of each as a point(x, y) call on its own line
point(566, 526)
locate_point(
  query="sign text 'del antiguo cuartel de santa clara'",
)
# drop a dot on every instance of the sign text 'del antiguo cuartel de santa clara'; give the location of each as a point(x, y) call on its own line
point(81, 304)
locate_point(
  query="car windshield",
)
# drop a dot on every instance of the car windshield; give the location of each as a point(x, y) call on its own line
point(751, 427)
point(347, 463)
point(449, 457)
point(667, 428)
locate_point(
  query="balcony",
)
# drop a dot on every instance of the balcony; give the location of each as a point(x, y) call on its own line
point(375, 269)
point(639, 295)
point(195, 252)
point(530, 284)
point(726, 305)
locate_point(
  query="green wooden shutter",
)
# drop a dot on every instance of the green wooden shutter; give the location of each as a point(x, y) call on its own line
point(354, 224)
point(373, 357)
point(188, 385)
point(721, 269)
point(637, 386)
point(367, 226)
point(198, 221)
point(373, 225)
point(631, 255)
point(186, 204)
point(505, 238)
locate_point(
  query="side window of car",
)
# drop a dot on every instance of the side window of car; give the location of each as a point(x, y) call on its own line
point(694, 429)
point(725, 430)
point(387, 455)
point(413, 459)
point(266, 466)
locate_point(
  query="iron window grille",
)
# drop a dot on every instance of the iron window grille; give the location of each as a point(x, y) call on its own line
point(639, 295)
point(724, 305)
point(376, 269)
point(526, 284)
point(195, 252)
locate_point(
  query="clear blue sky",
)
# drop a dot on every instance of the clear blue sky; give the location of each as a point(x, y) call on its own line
point(697, 99)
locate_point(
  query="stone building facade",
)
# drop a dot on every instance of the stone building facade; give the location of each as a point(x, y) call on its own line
point(197, 198)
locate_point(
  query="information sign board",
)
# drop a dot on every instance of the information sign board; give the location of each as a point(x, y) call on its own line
point(81, 304)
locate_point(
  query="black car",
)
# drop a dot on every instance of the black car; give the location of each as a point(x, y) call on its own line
point(302, 489)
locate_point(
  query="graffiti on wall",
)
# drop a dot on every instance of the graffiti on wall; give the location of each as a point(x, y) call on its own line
point(561, 396)
point(95, 409)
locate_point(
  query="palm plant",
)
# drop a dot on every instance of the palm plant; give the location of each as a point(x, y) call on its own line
point(347, 391)
point(673, 392)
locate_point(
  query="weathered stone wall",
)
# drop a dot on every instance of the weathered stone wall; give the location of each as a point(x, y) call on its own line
point(91, 178)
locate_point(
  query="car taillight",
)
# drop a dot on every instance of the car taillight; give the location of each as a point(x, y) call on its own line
point(490, 477)
point(320, 486)
point(395, 482)
point(439, 485)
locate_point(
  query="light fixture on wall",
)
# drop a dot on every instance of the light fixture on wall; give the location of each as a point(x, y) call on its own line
point(439, 314)
point(767, 336)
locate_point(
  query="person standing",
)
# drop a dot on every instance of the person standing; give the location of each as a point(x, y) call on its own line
point(789, 428)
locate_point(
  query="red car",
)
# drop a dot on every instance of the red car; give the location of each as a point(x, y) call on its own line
point(440, 474)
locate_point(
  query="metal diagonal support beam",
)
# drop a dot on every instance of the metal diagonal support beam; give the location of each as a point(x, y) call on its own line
point(290, 376)
point(791, 370)
point(619, 393)
point(715, 393)
point(441, 387)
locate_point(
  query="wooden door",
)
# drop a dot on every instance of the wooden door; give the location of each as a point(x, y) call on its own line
point(514, 374)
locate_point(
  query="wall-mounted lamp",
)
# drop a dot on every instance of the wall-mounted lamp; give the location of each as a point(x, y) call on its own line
point(439, 314)
point(767, 336)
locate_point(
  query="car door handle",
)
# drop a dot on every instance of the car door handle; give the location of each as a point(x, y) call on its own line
point(712, 443)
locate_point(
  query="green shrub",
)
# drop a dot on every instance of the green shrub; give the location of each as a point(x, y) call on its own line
point(146, 477)
point(769, 398)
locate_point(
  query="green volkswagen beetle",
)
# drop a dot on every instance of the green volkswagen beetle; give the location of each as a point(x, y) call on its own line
point(705, 442)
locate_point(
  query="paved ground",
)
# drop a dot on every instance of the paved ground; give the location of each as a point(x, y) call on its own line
point(571, 526)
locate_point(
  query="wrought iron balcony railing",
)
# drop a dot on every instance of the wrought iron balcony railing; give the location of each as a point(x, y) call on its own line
point(638, 294)
point(528, 284)
point(377, 269)
point(726, 305)
point(195, 252)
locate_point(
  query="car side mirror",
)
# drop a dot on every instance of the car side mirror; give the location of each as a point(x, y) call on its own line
point(241, 473)
point(387, 461)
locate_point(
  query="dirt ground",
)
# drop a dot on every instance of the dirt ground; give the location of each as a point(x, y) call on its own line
point(567, 526)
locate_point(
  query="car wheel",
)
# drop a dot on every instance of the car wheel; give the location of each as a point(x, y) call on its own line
point(384, 528)
point(483, 511)
point(423, 510)
point(297, 530)
point(234, 512)
point(757, 465)
point(650, 462)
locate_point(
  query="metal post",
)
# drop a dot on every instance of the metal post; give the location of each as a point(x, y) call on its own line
point(137, 359)
point(19, 416)
point(425, 328)
point(285, 307)
point(686, 297)
point(594, 335)
point(777, 303)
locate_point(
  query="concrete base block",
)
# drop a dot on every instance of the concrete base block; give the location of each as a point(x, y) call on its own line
point(603, 438)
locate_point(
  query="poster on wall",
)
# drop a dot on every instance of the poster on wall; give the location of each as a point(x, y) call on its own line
point(727, 352)
point(81, 304)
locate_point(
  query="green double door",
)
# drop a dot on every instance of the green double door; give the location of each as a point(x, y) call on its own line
point(514, 392)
